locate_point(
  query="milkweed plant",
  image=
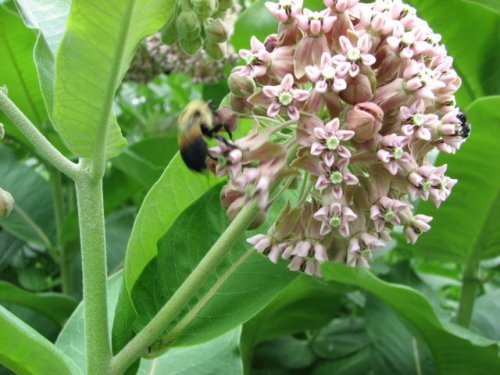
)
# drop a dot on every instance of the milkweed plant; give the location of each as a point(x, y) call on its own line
point(331, 131)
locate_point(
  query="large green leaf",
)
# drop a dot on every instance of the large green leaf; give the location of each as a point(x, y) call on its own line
point(476, 54)
point(485, 315)
point(455, 352)
point(94, 54)
point(18, 73)
point(25, 351)
point(227, 299)
point(32, 219)
point(465, 228)
point(176, 189)
point(49, 18)
point(57, 307)
point(490, 4)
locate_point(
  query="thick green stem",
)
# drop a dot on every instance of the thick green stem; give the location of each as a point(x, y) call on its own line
point(43, 147)
point(470, 286)
point(155, 328)
point(93, 245)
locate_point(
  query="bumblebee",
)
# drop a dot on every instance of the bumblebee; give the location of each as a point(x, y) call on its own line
point(465, 127)
point(197, 122)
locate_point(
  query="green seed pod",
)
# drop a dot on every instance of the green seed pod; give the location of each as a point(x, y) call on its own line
point(188, 25)
point(205, 8)
point(216, 51)
point(190, 46)
point(6, 203)
point(216, 31)
point(2, 132)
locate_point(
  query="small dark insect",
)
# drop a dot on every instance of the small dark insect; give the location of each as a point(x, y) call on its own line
point(465, 127)
point(196, 122)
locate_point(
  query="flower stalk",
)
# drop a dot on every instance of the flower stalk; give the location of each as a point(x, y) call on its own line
point(153, 330)
point(470, 286)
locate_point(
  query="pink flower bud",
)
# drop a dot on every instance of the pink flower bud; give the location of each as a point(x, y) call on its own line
point(366, 120)
point(359, 89)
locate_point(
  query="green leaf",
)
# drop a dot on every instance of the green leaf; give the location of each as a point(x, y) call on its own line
point(25, 351)
point(477, 63)
point(145, 161)
point(395, 350)
point(95, 52)
point(288, 352)
point(32, 219)
point(18, 73)
point(356, 364)
point(176, 189)
point(223, 305)
point(454, 352)
point(465, 228)
point(490, 4)
point(49, 19)
point(54, 306)
point(485, 315)
point(341, 338)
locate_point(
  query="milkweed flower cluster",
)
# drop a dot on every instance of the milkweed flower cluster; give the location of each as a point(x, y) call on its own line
point(349, 100)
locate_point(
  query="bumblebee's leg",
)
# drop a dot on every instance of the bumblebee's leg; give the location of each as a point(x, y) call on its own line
point(225, 141)
point(226, 128)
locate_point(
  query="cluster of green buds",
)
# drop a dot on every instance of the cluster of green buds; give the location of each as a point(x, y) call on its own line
point(6, 200)
point(197, 24)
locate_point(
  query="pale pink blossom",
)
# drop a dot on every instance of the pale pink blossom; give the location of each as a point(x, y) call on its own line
point(341, 5)
point(415, 122)
point(326, 77)
point(386, 211)
point(353, 57)
point(285, 10)
point(285, 96)
point(416, 226)
point(393, 153)
point(329, 145)
point(333, 180)
point(430, 182)
point(360, 249)
point(335, 216)
point(315, 23)
point(257, 59)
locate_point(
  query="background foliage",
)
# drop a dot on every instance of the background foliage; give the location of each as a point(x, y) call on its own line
point(399, 318)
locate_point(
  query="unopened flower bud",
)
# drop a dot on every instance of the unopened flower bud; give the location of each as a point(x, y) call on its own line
point(188, 25)
point(216, 51)
point(359, 89)
point(241, 85)
point(170, 34)
point(216, 31)
point(366, 120)
point(190, 46)
point(6, 203)
point(2, 132)
point(205, 8)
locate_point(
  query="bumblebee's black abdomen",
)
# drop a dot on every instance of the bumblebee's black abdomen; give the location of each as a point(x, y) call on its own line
point(195, 153)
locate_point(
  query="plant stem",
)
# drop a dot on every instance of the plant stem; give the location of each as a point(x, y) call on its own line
point(64, 261)
point(93, 246)
point(156, 327)
point(470, 286)
point(44, 148)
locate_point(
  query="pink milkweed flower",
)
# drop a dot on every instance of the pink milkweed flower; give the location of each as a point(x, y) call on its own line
point(450, 133)
point(430, 182)
point(421, 80)
point(353, 57)
point(416, 226)
point(285, 96)
point(285, 10)
point(386, 211)
point(393, 154)
point(326, 77)
point(333, 180)
point(360, 249)
point(257, 59)
point(416, 122)
point(308, 266)
point(335, 216)
point(341, 5)
point(315, 23)
point(408, 43)
point(328, 142)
